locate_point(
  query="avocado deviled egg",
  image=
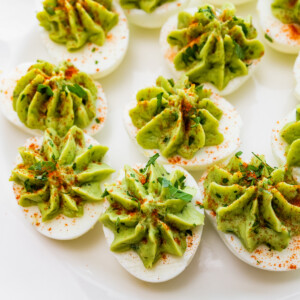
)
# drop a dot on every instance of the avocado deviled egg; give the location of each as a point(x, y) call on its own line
point(57, 182)
point(152, 223)
point(38, 96)
point(190, 126)
point(92, 34)
point(280, 21)
point(211, 46)
point(286, 142)
point(256, 210)
point(151, 14)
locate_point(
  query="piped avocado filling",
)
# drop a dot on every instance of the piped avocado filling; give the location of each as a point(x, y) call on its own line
point(77, 22)
point(257, 203)
point(291, 134)
point(215, 46)
point(62, 175)
point(176, 118)
point(55, 97)
point(287, 11)
point(151, 212)
point(145, 5)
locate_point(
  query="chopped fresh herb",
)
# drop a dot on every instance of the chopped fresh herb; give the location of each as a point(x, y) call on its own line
point(51, 143)
point(42, 166)
point(96, 62)
point(90, 146)
point(197, 121)
point(267, 37)
point(171, 81)
point(150, 162)
point(118, 224)
point(225, 180)
point(105, 193)
point(218, 195)
point(269, 168)
point(53, 157)
point(238, 154)
point(191, 140)
point(77, 90)
point(175, 114)
point(166, 139)
point(159, 101)
point(238, 50)
point(45, 89)
point(199, 88)
point(200, 205)
point(50, 10)
point(94, 49)
point(29, 187)
point(189, 232)
point(173, 191)
point(74, 166)
point(97, 120)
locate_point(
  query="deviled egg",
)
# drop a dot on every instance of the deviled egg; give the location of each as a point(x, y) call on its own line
point(280, 21)
point(151, 14)
point(57, 183)
point(286, 142)
point(41, 95)
point(211, 46)
point(152, 223)
point(188, 125)
point(256, 210)
point(92, 35)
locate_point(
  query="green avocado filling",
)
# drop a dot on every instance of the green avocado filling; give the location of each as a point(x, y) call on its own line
point(55, 97)
point(151, 212)
point(176, 118)
point(257, 203)
point(214, 46)
point(77, 22)
point(145, 5)
point(62, 175)
point(287, 11)
point(291, 134)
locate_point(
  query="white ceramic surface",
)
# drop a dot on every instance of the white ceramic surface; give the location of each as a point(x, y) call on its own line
point(34, 267)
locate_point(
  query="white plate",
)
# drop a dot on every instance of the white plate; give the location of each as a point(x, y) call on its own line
point(32, 265)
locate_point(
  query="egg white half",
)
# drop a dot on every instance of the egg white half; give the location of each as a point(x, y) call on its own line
point(229, 125)
point(61, 227)
point(236, 2)
point(170, 266)
point(8, 84)
point(279, 145)
point(297, 77)
point(97, 61)
point(169, 52)
point(261, 258)
point(284, 36)
point(158, 17)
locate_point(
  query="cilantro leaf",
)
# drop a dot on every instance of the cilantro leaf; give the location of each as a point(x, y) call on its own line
point(174, 192)
point(159, 101)
point(77, 90)
point(150, 162)
point(238, 154)
point(45, 89)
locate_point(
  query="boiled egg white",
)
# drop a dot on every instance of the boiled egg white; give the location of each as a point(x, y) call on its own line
point(92, 59)
point(279, 145)
point(169, 52)
point(61, 227)
point(261, 258)
point(229, 125)
point(282, 37)
point(297, 77)
point(156, 18)
point(7, 86)
point(170, 266)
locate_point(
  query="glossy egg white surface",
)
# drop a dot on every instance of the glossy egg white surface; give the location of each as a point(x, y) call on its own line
point(85, 268)
point(61, 227)
point(8, 84)
point(229, 125)
point(169, 266)
point(156, 18)
point(262, 257)
point(97, 61)
point(285, 37)
point(169, 52)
